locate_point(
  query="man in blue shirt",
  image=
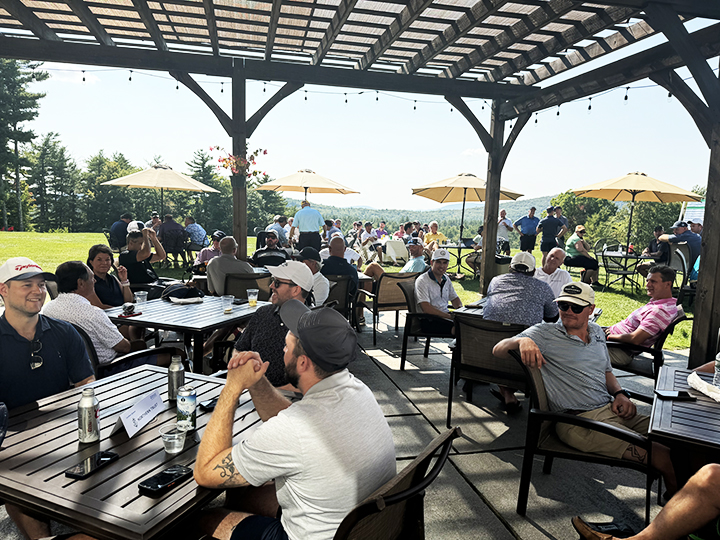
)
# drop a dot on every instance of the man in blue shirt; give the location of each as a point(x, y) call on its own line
point(41, 356)
point(278, 225)
point(526, 226)
point(198, 236)
point(552, 228)
point(309, 222)
point(681, 233)
point(119, 230)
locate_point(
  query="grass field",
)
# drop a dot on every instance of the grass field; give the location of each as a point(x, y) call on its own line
point(51, 249)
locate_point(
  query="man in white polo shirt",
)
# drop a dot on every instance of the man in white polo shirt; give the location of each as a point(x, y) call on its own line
point(433, 292)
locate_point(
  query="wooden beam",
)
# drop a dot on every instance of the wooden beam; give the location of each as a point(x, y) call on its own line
point(463, 109)
point(196, 89)
point(517, 128)
point(212, 25)
point(488, 268)
point(134, 58)
point(665, 19)
point(402, 22)
point(580, 55)
point(272, 29)
point(690, 8)
point(288, 89)
point(89, 19)
point(590, 26)
point(239, 142)
point(150, 24)
point(342, 13)
point(29, 20)
point(699, 112)
point(619, 73)
point(545, 14)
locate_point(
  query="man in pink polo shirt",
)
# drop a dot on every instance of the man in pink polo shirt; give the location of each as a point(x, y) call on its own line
point(644, 324)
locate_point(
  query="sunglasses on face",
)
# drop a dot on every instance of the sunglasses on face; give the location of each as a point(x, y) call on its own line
point(274, 282)
point(35, 359)
point(563, 306)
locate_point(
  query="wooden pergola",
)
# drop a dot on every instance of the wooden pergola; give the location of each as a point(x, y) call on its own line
point(506, 51)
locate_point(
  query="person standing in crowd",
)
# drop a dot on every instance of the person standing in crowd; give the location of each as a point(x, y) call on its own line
point(696, 225)
point(503, 228)
point(526, 227)
point(552, 274)
point(558, 214)
point(578, 254)
point(552, 228)
point(309, 222)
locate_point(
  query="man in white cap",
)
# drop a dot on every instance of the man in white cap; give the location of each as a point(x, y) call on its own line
point(434, 290)
point(321, 286)
point(573, 360)
point(696, 225)
point(265, 331)
point(41, 356)
point(316, 458)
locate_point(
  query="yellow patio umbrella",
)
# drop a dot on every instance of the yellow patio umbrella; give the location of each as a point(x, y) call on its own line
point(160, 177)
point(636, 186)
point(463, 187)
point(307, 181)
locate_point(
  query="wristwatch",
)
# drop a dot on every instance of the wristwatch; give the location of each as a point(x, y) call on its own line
point(622, 391)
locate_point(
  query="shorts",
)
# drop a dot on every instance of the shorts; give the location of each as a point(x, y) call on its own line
point(594, 442)
point(619, 357)
point(547, 245)
point(504, 245)
point(438, 326)
point(527, 242)
point(582, 261)
point(259, 528)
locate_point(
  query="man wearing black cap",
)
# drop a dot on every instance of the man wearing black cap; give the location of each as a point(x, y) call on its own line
point(325, 453)
point(552, 228)
point(40, 356)
point(321, 285)
point(212, 251)
point(271, 254)
point(681, 233)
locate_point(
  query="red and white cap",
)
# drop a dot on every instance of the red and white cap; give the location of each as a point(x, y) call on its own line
point(21, 268)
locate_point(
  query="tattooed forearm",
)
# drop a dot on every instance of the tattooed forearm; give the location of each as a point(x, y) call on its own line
point(228, 473)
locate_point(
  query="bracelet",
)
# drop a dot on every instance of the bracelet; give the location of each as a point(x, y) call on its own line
point(125, 283)
point(623, 392)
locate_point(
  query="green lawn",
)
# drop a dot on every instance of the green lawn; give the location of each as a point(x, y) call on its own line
point(51, 249)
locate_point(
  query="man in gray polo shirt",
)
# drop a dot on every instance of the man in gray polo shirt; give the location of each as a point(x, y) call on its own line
point(573, 360)
point(325, 453)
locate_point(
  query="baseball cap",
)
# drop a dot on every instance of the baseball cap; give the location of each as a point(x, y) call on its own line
point(368, 223)
point(269, 232)
point(523, 259)
point(577, 293)
point(415, 241)
point(679, 224)
point(533, 208)
point(550, 209)
point(326, 336)
point(22, 268)
point(441, 253)
point(218, 235)
point(308, 253)
point(579, 228)
point(337, 233)
point(697, 220)
point(296, 272)
point(154, 214)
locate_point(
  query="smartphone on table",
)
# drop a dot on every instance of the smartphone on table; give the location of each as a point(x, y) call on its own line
point(164, 480)
point(90, 465)
point(675, 395)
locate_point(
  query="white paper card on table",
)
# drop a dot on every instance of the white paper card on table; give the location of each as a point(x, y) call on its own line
point(140, 414)
point(698, 384)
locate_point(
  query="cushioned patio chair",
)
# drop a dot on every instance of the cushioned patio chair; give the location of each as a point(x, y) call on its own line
point(238, 284)
point(387, 297)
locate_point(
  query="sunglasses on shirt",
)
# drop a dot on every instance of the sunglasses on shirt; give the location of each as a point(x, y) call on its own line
point(563, 306)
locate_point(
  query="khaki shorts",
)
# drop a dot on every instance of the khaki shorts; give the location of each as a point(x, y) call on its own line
point(619, 357)
point(587, 440)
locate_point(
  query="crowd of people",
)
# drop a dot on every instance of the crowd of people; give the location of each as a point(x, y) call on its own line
point(310, 460)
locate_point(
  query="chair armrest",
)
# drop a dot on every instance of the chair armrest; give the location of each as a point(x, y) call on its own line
point(637, 396)
point(134, 356)
point(600, 427)
point(631, 348)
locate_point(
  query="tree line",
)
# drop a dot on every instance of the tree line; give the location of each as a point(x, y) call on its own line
point(42, 188)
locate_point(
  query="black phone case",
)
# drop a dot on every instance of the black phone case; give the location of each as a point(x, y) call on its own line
point(76, 476)
point(147, 487)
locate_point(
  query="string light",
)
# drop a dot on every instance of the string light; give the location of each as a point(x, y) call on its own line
point(627, 90)
point(305, 95)
point(130, 77)
point(265, 84)
point(415, 105)
point(345, 97)
point(177, 86)
point(558, 111)
point(83, 75)
point(589, 105)
point(451, 109)
point(377, 94)
point(221, 87)
point(536, 118)
point(669, 98)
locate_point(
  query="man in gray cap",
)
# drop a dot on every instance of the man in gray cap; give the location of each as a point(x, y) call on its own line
point(325, 453)
point(681, 233)
point(41, 356)
point(573, 360)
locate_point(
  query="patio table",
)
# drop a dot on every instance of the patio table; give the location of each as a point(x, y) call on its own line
point(192, 320)
point(42, 442)
point(459, 259)
point(628, 262)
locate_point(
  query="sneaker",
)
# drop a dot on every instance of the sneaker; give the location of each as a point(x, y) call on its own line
point(361, 321)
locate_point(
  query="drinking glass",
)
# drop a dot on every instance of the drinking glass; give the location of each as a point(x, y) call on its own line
point(252, 297)
point(173, 438)
point(140, 297)
point(227, 303)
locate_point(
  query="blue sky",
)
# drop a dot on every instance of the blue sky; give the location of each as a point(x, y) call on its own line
point(382, 147)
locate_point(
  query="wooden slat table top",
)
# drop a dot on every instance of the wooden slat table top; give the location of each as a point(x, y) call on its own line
point(42, 442)
point(686, 422)
point(201, 317)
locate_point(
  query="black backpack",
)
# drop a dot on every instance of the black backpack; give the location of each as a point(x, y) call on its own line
point(180, 290)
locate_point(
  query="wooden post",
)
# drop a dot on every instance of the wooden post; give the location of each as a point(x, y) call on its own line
point(706, 322)
point(239, 149)
point(492, 197)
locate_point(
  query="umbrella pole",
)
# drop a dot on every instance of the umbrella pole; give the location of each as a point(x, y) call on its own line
point(462, 226)
point(162, 211)
point(632, 208)
point(306, 193)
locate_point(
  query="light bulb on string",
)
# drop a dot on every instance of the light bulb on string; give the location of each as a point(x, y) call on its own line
point(83, 72)
point(305, 95)
point(264, 86)
point(345, 97)
point(451, 109)
point(483, 106)
point(177, 86)
point(669, 98)
point(536, 118)
point(558, 111)
point(510, 126)
point(589, 105)
point(130, 77)
point(221, 87)
point(377, 98)
point(627, 90)
point(415, 105)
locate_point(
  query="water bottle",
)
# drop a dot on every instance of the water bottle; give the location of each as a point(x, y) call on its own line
point(176, 377)
point(716, 377)
point(88, 424)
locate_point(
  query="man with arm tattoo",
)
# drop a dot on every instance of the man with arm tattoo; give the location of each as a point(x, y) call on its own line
point(325, 453)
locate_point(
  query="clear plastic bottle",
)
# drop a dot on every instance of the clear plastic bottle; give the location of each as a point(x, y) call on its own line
point(716, 377)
